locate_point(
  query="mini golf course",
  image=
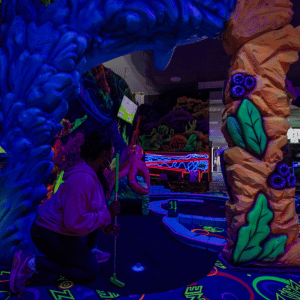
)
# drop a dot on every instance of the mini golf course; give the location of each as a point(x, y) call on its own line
point(159, 257)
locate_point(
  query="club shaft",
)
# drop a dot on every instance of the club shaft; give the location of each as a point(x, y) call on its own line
point(115, 244)
point(116, 199)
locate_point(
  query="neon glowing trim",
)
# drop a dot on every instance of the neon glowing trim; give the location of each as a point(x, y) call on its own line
point(180, 163)
point(232, 295)
point(213, 274)
point(258, 279)
point(218, 236)
point(239, 281)
point(213, 229)
point(173, 205)
point(59, 181)
point(2, 150)
point(208, 233)
point(205, 232)
point(165, 157)
point(193, 284)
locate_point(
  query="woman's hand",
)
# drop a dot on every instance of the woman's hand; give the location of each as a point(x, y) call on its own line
point(113, 164)
point(112, 229)
point(114, 208)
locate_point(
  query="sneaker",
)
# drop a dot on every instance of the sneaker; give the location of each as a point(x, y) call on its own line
point(101, 256)
point(20, 271)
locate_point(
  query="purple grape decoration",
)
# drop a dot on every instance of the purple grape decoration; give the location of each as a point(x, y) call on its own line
point(249, 83)
point(237, 79)
point(291, 181)
point(276, 181)
point(282, 169)
point(238, 91)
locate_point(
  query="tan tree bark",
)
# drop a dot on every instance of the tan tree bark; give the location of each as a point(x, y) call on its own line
point(263, 45)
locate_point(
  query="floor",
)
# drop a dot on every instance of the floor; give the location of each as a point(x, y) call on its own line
point(173, 270)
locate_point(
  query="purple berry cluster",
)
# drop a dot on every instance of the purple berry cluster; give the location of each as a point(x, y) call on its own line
point(241, 85)
point(281, 178)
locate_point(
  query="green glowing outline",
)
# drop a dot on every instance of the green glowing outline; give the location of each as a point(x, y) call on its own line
point(59, 181)
point(171, 205)
point(261, 278)
point(2, 150)
point(7, 292)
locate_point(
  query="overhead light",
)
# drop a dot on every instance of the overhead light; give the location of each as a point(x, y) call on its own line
point(214, 122)
point(175, 79)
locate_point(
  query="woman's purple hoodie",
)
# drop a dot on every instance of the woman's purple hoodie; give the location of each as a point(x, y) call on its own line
point(78, 207)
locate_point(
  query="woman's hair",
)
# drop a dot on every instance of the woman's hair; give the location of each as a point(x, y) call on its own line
point(71, 149)
point(94, 143)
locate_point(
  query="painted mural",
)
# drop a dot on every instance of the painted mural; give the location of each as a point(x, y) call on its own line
point(184, 128)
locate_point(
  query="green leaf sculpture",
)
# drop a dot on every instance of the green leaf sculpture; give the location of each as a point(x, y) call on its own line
point(235, 131)
point(248, 246)
point(272, 248)
point(250, 237)
point(250, 120)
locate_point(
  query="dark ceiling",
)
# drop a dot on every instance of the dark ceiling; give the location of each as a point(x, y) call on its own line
point(200, 62)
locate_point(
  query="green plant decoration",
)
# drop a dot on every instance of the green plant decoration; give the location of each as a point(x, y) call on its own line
point(192, 126)
point(248, 247)
point(272, 248)
point(191, 144)
point(163, 129)
point(235, 131)
point(250, 237)
point(250, 120)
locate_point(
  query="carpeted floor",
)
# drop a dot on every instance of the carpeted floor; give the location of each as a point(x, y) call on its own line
point(170, 267)
point(169, 264)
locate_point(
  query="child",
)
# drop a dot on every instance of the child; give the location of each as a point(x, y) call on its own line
point(77, 209)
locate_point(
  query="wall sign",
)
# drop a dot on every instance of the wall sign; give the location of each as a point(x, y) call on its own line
point(293, 135)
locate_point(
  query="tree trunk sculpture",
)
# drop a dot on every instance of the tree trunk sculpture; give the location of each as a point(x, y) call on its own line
point(263, 226)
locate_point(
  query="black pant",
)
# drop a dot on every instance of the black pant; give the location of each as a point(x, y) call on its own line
point(65, 255)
